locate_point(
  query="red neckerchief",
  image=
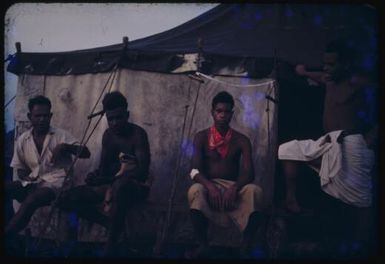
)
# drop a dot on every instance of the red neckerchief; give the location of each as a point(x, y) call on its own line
point(218, 142)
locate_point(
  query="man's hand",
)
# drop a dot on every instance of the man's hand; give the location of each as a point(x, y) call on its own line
point(341, 136)
point(23, 174)
point(300, 70)
point(325, 140)
point(214, 195)
point(58, 152)
point(94, 179)
point(128, 163)
point(229, 197)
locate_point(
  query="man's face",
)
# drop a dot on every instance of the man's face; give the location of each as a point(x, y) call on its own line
point(40, 117)
point(117, 119)
point(333, 68)
point(222, 114)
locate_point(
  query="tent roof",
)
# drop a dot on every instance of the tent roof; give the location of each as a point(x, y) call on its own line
point(235, 39)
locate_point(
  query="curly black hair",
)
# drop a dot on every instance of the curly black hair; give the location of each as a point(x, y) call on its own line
point(114, 100)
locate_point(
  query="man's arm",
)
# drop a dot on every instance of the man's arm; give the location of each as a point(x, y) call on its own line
point(214, 194)
point(142, 153)
point(23, 174)
point(247, 168)
point(102, 174)
point(83, 151)
point(18, 161)
point(318, 77)
point(64, 148)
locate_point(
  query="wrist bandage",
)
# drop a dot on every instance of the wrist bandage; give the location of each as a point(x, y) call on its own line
point(193, 173)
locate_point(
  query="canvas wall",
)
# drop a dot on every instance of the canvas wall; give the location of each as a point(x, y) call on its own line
point(171, 108)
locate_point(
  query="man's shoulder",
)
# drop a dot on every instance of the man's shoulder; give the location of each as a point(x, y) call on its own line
point(202, 133)
point(26, 134)
point(137, 128)
point(240, 136)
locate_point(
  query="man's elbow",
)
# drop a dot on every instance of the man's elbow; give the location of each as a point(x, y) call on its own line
point(84, 153)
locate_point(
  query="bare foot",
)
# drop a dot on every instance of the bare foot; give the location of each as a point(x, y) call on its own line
point(200, 252)
point(293, 207)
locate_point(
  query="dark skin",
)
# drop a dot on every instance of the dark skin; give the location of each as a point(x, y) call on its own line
point(118, 188)
point(119, 138)
point(236, 166)
point(211, 165)
point(334, 70)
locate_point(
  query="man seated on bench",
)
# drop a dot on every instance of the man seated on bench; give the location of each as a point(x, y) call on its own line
point(119, 182)
point(42, 159)
point(223, 172)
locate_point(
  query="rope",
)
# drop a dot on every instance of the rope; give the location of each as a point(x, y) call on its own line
point(232, 84)
point(13, 98)
point(82, 144)
point(180, 157)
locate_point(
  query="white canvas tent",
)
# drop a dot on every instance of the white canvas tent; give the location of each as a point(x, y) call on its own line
point(244, 49)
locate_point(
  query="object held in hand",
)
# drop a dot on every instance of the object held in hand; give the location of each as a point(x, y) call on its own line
point(124, 157)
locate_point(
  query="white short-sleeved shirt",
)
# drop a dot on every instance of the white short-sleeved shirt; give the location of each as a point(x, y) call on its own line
point(27, 157)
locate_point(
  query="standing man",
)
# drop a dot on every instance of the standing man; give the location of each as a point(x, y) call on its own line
point(344, 156)
point(42, 159)
point(120, 180)
point(223, 172)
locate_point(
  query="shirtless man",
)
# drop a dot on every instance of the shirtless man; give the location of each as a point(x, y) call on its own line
point(223, 172)
point(42, 159)
point(344, 156)
point(120, 180)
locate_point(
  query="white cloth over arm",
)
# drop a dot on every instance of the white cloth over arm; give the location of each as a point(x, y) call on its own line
point(26, 157)
point(346, 168)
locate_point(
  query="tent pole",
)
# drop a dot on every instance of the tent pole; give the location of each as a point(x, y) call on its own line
point(160, 245)
point(18, 47)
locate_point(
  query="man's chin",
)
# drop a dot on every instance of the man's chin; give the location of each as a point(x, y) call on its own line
point(117, 131)
point(41, 129)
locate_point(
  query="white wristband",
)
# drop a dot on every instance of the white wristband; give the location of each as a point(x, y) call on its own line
point(193, 173)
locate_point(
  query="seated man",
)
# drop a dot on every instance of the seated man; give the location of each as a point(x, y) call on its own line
point(344, 156)
point(120, 180)
point(223, 171)
point(42, 159)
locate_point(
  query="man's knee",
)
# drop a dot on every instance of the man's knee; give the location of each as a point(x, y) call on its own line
point(196, 189)
point(70, 198)
point(40, 197)
point(253, 189)
point(124, 187)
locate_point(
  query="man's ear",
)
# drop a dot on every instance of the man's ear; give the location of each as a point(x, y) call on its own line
point(128, 114)
point(29, 116)
point(50, 115)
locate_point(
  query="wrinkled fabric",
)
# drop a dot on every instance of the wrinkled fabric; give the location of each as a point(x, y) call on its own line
point(345, 171)
point(250, 200)
point(163, 104)
point(43, 172)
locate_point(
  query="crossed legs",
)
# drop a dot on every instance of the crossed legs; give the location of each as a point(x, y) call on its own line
point(83, 200)
point(32, 198)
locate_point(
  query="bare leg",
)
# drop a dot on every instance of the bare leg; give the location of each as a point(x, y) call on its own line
point(200, 225)
point(125, 192)
point(291, 170)
point(83, 200)
point(249, 234)
point(37, 198)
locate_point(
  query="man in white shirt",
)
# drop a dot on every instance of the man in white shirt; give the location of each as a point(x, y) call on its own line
point(41, 160)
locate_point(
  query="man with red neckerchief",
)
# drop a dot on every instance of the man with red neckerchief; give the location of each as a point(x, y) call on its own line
point(223, 172)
